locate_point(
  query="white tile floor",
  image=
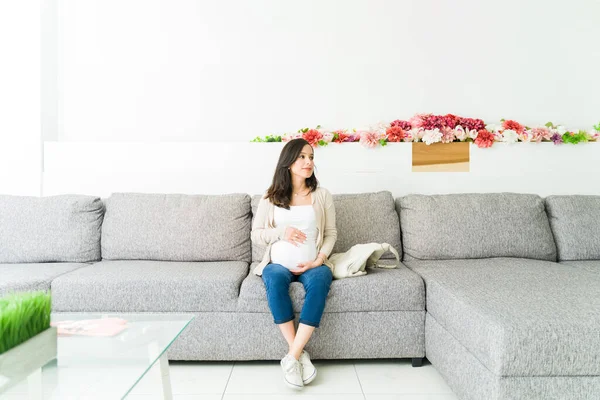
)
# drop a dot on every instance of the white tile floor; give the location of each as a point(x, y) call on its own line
point(336, 380)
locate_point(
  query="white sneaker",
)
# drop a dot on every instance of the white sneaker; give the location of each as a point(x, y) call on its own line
point(292, 372)
point(309, 372)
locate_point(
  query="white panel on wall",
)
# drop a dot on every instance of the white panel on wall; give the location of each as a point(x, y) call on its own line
point(213, 168)
point(204, 70)
point(20, 169)
point(20, 121)
point(20, 71)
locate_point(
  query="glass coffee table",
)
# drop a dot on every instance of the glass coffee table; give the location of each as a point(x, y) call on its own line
point(97, 367)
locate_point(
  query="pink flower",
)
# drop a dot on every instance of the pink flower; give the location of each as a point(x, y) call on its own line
point(312, 136)
point(405, 125)
point(513, 125)
point(472, 124)
point(539, 134)
point(484, 138)
point(447, 135)
point(370, 138)
point(289, 136)
point(395, 133)
point(417, 120)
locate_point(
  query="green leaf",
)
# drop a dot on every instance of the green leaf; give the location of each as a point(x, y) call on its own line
point(22, 316)
point(323, 143)
point(597, 127)
point(549, 125)
point(318, 127)
point(383, 142)
point(502, 120)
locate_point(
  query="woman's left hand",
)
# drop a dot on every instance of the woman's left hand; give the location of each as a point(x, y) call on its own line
point(305, 266)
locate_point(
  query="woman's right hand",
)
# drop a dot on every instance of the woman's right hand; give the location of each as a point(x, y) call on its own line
point(294, 236)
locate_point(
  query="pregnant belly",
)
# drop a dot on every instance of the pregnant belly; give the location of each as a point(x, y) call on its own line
point(288, 255)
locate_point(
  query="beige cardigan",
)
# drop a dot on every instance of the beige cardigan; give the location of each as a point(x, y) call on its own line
point(264, 232)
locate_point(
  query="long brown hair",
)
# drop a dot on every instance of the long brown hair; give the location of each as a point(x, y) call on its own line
point(280, 191)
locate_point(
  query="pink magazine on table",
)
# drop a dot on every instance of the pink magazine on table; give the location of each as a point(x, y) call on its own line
point(91, 327)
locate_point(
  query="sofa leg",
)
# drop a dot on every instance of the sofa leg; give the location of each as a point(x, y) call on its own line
point(417, 362)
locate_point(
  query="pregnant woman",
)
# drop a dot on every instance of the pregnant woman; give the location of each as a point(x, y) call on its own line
point(295, 222)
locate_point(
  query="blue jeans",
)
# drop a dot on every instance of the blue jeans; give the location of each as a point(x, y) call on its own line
point(316, 281)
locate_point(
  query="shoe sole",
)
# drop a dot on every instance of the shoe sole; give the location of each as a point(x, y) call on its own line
point(310, 378)
point(295, 387)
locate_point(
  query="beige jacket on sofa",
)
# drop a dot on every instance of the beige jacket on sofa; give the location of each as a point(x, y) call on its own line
point(264, 232)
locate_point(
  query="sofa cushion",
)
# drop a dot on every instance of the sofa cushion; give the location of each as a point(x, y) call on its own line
point(360, 218)
point(176, 227)
point(32, 277)
point(462, 226)
point(518, 317)
point(575, 222)
point(592, 266)
point(62, 228)
point(381, 289)
point(150, 286)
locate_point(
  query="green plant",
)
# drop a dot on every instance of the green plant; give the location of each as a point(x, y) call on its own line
point(574, 138)
point(22, 316)
point(269, 138)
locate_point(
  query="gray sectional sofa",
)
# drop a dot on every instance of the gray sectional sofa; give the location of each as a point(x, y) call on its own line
point(500, 291)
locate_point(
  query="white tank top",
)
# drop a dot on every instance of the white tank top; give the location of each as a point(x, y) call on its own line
point(302, 218)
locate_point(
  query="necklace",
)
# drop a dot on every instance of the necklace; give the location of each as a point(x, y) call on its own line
point(304, 195)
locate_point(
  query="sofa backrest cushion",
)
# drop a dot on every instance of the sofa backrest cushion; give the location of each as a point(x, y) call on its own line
point(177, 227)
point(575, 222)
point(478, 225)
point(63, 228)
point(360, 218)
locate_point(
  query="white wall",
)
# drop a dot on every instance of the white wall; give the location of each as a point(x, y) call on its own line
point(102, 168)
point(20, 137)
point(134, 79)
point(229, 70)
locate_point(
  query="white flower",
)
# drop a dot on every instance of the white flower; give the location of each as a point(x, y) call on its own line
point(509, 136)
point(493, 127)
point(460, 133)
point(526, 136)
point(416, 134)
point(473, 133)
point(432, 136)
point(380, 127)
point(327, 136)
point(561, 130)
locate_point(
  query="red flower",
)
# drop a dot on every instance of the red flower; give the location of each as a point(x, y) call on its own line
point(341, 137)
point(395, 133)
point(484, 138)
point(431, 122)
point(312, 136)
point(472, 123)
point(514, 125)
point(405, 125)
point(451, 121)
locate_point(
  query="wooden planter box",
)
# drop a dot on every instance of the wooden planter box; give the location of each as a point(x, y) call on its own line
point(19, 362)
point(440, 157)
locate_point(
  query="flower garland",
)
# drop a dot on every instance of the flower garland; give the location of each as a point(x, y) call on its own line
point(429, 128)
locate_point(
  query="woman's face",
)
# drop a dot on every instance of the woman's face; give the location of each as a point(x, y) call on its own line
point(304, 165)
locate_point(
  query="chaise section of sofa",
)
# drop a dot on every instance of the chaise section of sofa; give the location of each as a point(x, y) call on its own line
point(504, 320)
point(379, 315)
point(42, 238)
